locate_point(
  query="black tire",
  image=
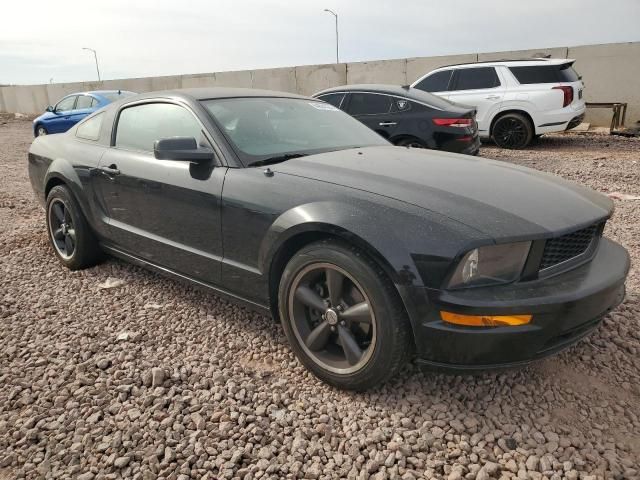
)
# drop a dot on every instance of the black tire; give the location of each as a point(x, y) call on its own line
point(411, 143)
point(388, 332)
point(41, 131)
point(71, 237)
point(513, 131)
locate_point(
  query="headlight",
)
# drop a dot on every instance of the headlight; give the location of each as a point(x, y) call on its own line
point(490, 265)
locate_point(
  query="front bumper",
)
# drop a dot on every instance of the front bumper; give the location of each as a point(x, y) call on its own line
point(565, 308)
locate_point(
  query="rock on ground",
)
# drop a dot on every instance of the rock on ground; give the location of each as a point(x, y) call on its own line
point(201, 388)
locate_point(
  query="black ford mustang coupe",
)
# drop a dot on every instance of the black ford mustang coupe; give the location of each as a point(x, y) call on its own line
point(369, 254)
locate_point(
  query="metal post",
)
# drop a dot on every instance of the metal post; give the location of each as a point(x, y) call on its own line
point(95, 56)
point(337, 38)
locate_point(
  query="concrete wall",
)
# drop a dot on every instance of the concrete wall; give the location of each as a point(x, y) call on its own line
point(610, 72)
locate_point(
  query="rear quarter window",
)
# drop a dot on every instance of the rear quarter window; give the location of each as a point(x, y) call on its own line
point(545, 74)
point(90, 129)
point(334, 99)
point(401, 105)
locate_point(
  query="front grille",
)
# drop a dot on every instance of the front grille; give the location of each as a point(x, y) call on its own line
point(560, 249)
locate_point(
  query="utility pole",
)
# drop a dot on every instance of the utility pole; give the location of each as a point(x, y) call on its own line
point(95, 55)
point(337, 41)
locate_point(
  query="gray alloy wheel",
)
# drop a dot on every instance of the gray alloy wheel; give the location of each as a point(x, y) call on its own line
point(41, 131)
point(61, 229)
point(343, 316)
point(331, 318)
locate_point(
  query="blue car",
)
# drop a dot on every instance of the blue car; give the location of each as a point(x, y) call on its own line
point(73, 108)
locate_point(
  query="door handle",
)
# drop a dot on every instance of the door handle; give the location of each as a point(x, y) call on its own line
point(492, 97)
point(387, 124)
point(111, 170)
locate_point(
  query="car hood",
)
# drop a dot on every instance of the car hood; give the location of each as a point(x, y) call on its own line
point(44, 116)
point(499, 199)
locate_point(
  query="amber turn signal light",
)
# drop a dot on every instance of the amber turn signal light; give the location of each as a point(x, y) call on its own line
point(485, 320)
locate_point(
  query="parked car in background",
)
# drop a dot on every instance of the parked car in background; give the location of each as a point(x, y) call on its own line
point(368, 254)
point(516, 100)
point(409, 117)
point(73, 108)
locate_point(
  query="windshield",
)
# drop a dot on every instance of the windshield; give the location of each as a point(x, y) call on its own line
point(265, 127)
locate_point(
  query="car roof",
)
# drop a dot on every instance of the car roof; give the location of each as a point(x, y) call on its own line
point(512, 63)
point(218, 92)
point(400, 91)
point(102, 92)
point(97, 93)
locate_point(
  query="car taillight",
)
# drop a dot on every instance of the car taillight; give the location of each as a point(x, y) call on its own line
point(453, 122)
point(568, 94)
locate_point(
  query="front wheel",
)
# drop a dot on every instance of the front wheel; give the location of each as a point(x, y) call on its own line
point(41, 131)
point(513, 131)
point(342, 316)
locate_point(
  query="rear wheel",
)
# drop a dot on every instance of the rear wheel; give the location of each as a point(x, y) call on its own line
point(411, 143)
point(41, 131)
point(73, 241)
point(342, 317)
point(513, 131)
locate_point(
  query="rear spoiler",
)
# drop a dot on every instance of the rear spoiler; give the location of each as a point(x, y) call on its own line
point(567, 64)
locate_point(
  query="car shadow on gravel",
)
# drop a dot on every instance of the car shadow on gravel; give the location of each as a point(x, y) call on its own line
point(428, 385)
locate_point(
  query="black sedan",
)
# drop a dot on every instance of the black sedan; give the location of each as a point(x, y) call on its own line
point(369, 254)
point(409, 117)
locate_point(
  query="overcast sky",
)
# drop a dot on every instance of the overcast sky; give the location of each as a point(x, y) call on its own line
point(43, 39)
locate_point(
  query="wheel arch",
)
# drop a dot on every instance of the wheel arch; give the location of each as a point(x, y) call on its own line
point(36, 126)
point(519, 111)
point(53, 181)
point(303, 235)
point(383, 134)
point(62, 173)
point(405, 136)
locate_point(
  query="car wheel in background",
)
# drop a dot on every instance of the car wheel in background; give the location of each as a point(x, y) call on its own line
point(40, 131)
point(411, 143)
point(71, 237)
point(343, 318)
point(513, 131)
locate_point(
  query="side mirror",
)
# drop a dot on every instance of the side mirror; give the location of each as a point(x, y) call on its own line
point(50, 109)
point(182, 149)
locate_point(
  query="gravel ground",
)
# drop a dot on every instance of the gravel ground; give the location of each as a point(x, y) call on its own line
point(154, 379)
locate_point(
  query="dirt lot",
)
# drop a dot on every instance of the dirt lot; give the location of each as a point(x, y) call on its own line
point(154, 379)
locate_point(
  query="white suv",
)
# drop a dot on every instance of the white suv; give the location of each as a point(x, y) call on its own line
point(516, 100)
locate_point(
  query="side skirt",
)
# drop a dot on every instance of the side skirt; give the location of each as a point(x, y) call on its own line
point(251, 305)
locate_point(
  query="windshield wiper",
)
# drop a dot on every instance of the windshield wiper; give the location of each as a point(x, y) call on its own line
point(277, 159)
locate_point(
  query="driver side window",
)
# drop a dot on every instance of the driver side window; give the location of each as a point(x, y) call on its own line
point(66, 104)
point(140, 126)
